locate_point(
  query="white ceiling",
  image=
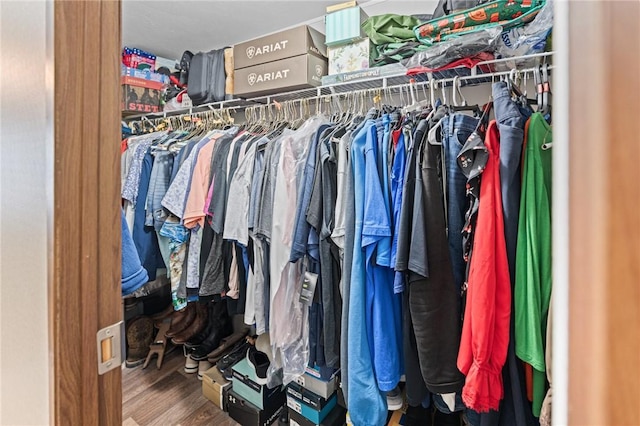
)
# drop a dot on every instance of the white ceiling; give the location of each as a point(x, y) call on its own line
point(168, 28)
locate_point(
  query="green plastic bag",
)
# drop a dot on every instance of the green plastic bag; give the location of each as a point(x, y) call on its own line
point(390, 28)
point(390, 53)
point(505, 13)
point(392, 38)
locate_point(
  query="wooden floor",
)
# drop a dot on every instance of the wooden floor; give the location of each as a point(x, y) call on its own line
point(167, 396)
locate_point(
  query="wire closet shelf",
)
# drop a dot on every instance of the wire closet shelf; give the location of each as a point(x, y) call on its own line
point(523, 66)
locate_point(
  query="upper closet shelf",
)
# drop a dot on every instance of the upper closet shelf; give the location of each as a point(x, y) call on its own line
point(482, 72)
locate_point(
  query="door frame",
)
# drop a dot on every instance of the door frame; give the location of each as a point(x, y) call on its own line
point(603, 50)
point(85, 293)
point(595, 256)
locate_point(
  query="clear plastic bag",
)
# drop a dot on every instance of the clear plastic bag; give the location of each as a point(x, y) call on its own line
point(291, 358)
point(288, 319)
point(464, 46)
point(527, 40)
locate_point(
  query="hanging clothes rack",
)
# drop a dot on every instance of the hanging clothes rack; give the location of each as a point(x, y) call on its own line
point(408, 86)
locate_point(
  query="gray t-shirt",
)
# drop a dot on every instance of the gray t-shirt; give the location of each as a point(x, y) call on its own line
point(256, 183)
point(412, 244)
point(264, 214)
point(338, 234)
point(320, 216)
point(219, 174)
point(300, 235)
point(236, 225)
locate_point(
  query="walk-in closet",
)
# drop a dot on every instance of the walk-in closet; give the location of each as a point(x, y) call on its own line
point(362, 213)
point(343, 221)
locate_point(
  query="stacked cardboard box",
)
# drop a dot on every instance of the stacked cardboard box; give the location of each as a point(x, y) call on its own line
point(288, 60)
point(313, 400)
point(348, 48)
point(250, 403)
point(140, 95)
point(215, 387)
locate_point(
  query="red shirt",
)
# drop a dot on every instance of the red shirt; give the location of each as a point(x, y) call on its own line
point(485, 331)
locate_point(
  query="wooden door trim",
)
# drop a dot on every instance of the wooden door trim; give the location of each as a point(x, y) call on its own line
point(604, 238)
point(86, 272)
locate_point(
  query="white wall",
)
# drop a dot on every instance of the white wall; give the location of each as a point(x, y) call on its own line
point(26, 163)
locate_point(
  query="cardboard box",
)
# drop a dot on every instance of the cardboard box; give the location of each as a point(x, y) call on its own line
point(284, 44)
point(143, 74)
point(344, 26)
point(247, 414)
point(215, 387)
point(323, 373)
point(299, 72)
point(349, 57)
point(245, 385)
point(138, 58)
point(309, 412)
point(315, 401)
point(337, 417)
point(140, 95)
point(315, 384)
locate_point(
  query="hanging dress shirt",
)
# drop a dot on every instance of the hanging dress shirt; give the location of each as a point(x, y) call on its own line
point(485, 331)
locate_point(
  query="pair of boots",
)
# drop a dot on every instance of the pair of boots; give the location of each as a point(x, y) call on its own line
point(188, 322)
point(200, 327)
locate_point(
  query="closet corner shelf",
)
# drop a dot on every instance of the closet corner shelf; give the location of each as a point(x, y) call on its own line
point(467, 77)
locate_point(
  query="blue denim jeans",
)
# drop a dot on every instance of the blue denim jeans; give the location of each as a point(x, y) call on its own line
point(456, 128)
point(442, 406)
point(515, 409)
point(511, 127)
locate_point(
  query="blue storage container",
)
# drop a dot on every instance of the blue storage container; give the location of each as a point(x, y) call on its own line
point(344, 26)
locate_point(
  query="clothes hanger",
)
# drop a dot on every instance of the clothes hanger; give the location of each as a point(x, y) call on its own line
point(401, 96)
point(345, 105)
point(255, 120)
point(443, 92)
point(386, 94)
point(415, 104)
point(344, 110)
point(297, 115)
point(546, 92)
point(456, 90)
point(521, 94)
point(350, 111)
point(229, 117)
point(537, 78)
point(433, 85)
point(434, 136)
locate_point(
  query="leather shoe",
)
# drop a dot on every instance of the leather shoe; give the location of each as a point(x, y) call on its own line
point(232, 358)
point(198, 338)
point(181, 320)
point(198, 324)
point(139, 331)
point(222, 327)
point(226, 345)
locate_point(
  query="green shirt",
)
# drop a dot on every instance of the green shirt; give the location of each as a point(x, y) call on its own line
point(532, 292)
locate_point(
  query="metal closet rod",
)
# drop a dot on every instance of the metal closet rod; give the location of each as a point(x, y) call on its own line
point(437, 83)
